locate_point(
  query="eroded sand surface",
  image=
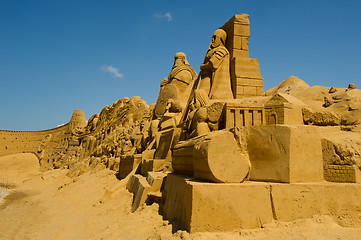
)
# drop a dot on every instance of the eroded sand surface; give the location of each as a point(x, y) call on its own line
point(96, 205)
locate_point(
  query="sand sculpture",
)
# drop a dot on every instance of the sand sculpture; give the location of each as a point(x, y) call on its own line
point(215, 76)
point(215, 144)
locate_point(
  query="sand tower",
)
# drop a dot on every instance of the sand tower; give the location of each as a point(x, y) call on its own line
point(77, 120)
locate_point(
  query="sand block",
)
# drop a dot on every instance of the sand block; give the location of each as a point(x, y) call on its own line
point(127, 164)
point(153, 165)
point(148, 154)
point(214, 157)
point(280, 153)
point(155, 180)
point(247, 68)
point(303, 200)
point(200, 206)
point(138, 185)
point(165, 142)
point(168, 123)
point(141, 187)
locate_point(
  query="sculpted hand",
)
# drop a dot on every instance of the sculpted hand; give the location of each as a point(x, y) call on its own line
point(204, 66)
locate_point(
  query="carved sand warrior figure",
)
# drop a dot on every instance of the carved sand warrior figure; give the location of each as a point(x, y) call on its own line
point(176, 91)
point(174, 95)
point(214, 76)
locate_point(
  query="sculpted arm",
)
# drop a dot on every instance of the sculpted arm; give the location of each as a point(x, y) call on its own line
point(215, 61)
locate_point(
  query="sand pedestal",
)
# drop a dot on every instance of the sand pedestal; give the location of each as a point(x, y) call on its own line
point(288, 154)
point(200, 206)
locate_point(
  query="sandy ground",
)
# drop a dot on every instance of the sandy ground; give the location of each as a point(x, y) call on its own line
point(96, 205)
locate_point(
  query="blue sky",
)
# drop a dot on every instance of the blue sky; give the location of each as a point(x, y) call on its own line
point(57, 56)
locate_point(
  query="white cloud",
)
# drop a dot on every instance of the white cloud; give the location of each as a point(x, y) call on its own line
point(112, 70)
point(167, 15)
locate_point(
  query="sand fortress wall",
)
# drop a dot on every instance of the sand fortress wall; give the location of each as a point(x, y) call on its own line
point(12, 142)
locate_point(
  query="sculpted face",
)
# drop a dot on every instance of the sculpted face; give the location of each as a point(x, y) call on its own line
point(216, 41)
point(178, 61)
point(218, 38)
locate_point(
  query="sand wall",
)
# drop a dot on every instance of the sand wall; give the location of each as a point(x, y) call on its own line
point(12, 142)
